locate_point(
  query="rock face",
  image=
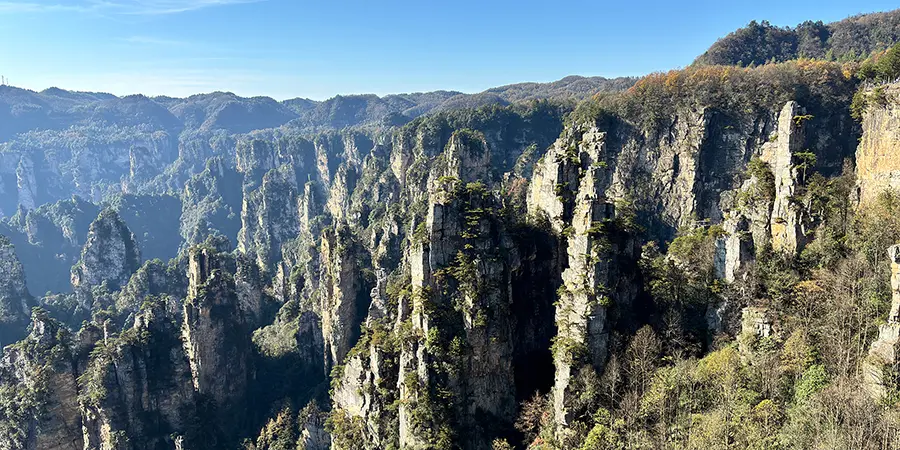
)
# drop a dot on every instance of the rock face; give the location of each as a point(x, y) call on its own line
point(26, 183)
point(49, 241)
point(877, 165)
point(344, 298)
point(786, 222)
point(214, 335)
point(756, 323)
point(735, 248)
point(269, 217)
point(884, 354)
point(153, 282)
point(15, 301)
point(440, 336)
point(312, 431)
point(143, 163)
point(109, 256)
point(461, 306)
point(211, 203)
point(590, 280)
point(763, 209)
point(42, 372)
point(136, 390)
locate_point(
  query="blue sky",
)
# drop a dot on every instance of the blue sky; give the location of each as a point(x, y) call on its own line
point(317, 49)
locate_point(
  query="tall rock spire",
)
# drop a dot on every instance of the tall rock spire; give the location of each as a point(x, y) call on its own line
point(884, 354)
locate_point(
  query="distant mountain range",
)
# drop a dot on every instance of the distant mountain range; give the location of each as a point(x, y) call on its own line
point(23, 110)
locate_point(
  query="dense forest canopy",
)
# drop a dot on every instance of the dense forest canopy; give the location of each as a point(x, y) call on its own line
point(846, 40)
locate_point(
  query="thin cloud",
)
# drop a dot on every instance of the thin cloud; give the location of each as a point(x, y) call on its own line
point(29, 7)
point(118, 7)
point(161, 7)
point(149, 40)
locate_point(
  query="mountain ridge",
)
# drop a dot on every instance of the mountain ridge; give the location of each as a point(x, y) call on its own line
point(59, 108)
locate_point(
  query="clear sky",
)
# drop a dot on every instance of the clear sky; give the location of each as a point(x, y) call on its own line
point(317, 49)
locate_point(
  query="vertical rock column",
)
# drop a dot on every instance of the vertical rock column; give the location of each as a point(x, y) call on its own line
point(269, 218)
point(581, 313)
point(884, 354)
point(42, 374)
point(786, 220)
point(25, 183)
point(15, 301)
point(734, 249)
point(341, 288)
point(457, 364)
point(214, 332)
point(568, 189)
point(110, 255)
point(136, 389)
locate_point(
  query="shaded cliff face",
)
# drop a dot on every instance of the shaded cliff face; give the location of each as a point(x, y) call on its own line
point(15, 301)
point(595, 275)
point(135, 391)
point(213, 332)
point(50, 239)
point(39, 376)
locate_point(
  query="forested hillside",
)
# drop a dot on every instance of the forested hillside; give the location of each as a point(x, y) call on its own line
point(846, 40)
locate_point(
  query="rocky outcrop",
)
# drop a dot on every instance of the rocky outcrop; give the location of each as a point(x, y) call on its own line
point(143, 165)
point(312, 429)
point(787, 224)
point(581, 212)
point(756, 323)
point(214, 333)
point(734, 249)
point(461, 309)
point(211, 203)
point(136, 390)
point(70, 218)
point(154, 281)
point(269, 217)
point(877, 165)
point(440, 334)
point(253, 298)
point(49, 241)
point(15, 301)
point(40, 374)
point(764, 210)
point(25, 182)
point(339, 196)
point(881, 365)
point(110, 254)
point(254, 158)
point(343, 295)
point(419, 235)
